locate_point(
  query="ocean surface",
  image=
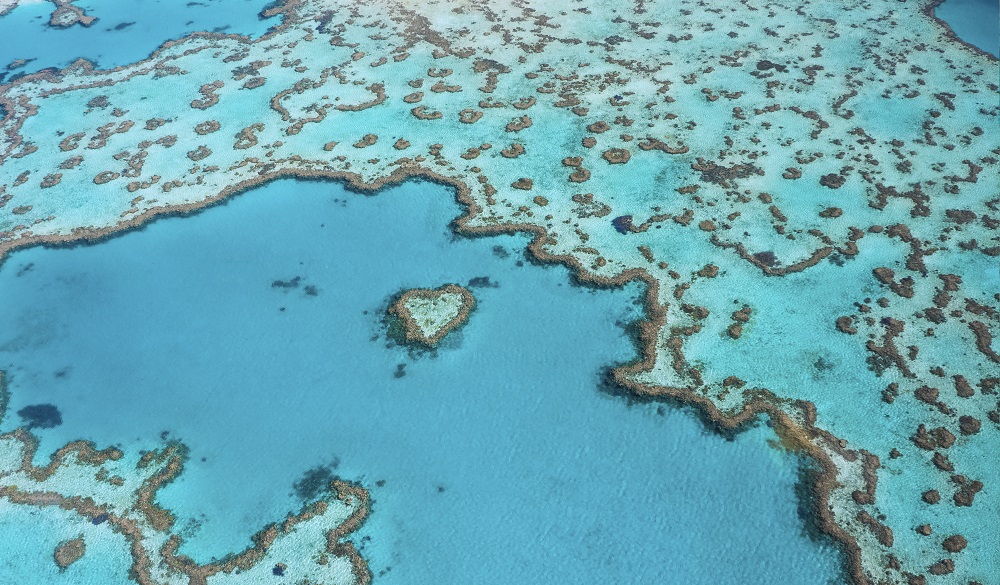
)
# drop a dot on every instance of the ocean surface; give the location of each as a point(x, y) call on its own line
point(480, 456)
point(254, 333)
point(976, 22)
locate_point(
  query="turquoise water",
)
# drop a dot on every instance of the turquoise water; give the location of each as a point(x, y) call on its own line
point(976, 22)
point(30, 535)
point(499, 459)
point(126, 30)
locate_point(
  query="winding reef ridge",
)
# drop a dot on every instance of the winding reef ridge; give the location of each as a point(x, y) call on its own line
point(110, 486)
point(809, 191)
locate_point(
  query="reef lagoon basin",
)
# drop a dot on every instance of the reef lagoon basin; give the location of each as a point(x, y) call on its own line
point(464, 447)
point(392, 293)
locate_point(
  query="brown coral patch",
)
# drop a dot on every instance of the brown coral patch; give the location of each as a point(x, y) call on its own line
point(469, 116)
point(832, 180)
point(202, 152)
point(422, 113)
point(616, 156)
point(580, 175)
point(954, 543)
point(69, 551)
point(412, 330)
point(518, 124)
point(524, 183)
point(513, 151)
point(207, 127)
point(366, 141)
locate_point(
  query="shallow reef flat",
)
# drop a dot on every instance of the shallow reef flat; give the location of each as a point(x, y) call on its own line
point(110, 487)
point(809, 194)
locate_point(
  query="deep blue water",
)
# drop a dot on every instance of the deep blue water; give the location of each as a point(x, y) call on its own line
point(126, 30)
point(976, 22)
point(499, 459)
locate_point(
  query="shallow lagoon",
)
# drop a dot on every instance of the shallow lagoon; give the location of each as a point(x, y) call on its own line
point(30, 535)
point(498, 459)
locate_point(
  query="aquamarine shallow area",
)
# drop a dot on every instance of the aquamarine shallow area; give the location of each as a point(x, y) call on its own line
point(499, 459)
point(976, 22)
point(126, 30)
point(30, 535)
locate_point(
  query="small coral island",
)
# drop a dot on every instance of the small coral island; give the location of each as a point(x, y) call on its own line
point(426, 315)
point(69, 551)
